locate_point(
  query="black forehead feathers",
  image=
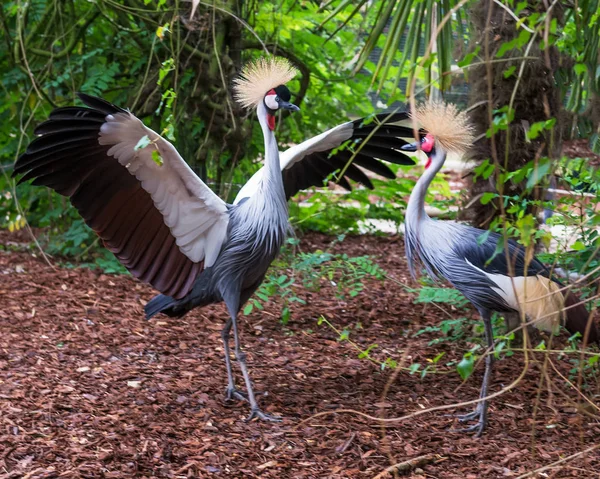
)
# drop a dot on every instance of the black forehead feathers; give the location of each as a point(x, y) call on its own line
point(283, 92)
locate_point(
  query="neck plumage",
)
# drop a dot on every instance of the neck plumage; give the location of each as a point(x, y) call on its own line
point(415, 211)
point(266, 211)
point(416, 217)
point(272, 180)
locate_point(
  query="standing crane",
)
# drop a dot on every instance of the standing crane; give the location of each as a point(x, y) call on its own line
point(167, 227)
point(468, 257)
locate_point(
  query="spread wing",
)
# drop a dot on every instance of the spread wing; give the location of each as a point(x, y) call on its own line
point(133, 189)
point(369, 140)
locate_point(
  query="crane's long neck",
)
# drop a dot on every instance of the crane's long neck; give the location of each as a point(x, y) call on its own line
point(415, 211)
point(416, 218)
point(272, 181)
point(264, 216)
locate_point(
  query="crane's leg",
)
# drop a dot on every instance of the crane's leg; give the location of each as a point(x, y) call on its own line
point(480, 412)
point(231, 392)
point(241, 358)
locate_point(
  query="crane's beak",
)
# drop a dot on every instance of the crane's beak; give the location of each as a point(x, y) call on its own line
point(288, 106)
point(411, 146)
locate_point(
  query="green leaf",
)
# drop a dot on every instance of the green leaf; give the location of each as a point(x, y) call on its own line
point(509, 71)
point(580, 68)
point(437, 358)
point(484, 170)
point(465, 366)
point(538, 173)
point(365, 354)
point(143, 142)
point(285, 315)
point(483, 237)
point(160, 31)
point(157, 158)
point(248, 309)
point(469, 57)
point(595, 140)
point(527, 227)
point(487, 197)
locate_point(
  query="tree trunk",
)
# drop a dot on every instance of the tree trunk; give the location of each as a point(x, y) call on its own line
point(536, 98)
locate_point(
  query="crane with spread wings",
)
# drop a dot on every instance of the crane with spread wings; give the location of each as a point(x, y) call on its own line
point(167, 227)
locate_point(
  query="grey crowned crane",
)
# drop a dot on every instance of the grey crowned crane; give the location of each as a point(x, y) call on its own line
point(166, 226)
point(492, 281)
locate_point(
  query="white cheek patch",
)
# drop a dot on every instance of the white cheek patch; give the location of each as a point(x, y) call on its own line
point(271, 103)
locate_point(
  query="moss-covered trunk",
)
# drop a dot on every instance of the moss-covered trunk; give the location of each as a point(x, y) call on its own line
point(522, 78)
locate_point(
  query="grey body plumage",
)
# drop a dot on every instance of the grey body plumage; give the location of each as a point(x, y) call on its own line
point(448, 250)
point(257, 228)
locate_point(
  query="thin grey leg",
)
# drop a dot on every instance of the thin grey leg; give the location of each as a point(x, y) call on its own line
point(231, 392)
point(480, 412)
point(241, 358)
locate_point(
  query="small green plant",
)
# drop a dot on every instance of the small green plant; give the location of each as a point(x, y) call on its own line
point(275, 286)
point(431, 366)
point(311, 270)
point(588, 366)
point(344, 272)
point(344, 336)
point(452, 329)
point(450, 296)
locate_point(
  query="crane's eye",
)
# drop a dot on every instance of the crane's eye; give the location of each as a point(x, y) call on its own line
point(272, 102)
point(427, 143)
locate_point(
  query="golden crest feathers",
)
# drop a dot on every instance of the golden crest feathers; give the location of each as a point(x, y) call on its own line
point(450, 128)
point(260, 76)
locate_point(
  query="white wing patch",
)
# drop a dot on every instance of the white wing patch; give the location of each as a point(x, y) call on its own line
point(325, 141)
point(538, 297)
point(197, 217)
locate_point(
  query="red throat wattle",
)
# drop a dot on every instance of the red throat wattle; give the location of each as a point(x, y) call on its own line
point(271, 121)
point(428, 163)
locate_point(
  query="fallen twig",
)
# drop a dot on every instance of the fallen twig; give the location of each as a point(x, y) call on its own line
point(342, 449)
point(409, 465)
point(560, 461)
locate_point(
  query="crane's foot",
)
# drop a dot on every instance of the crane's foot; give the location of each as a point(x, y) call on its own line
point(475, 414)
point(477, 428)
point(479, 414)
point(234, 394)
point(257, 413)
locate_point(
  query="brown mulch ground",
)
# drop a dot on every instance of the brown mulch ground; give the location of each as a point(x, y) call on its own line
point(89, 389)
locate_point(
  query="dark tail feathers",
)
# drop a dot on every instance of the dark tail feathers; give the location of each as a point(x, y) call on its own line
point(577, 318)
point(162, 304)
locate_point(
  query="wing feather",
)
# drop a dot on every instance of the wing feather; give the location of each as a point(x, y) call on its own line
point(370, 140)
point(161, 221)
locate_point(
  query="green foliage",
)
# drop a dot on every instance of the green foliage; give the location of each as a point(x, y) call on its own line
point(410, 24)
point(344, 336)
point(449, 296)
point(453, 330)
point(278, 286)
point(311, 271)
